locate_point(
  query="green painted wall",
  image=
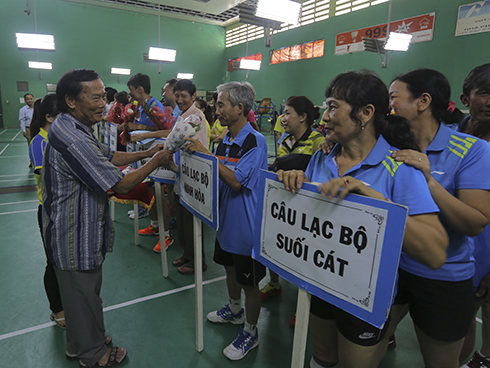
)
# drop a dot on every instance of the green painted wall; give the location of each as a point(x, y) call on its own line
point(100, 38)
point(453, 56)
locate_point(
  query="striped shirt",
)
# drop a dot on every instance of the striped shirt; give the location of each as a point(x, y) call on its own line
point(76, 175)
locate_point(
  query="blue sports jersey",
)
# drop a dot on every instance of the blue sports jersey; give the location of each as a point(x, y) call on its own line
point(396, 181)
point(36, 153)
point(457, 161)
point(245, 155)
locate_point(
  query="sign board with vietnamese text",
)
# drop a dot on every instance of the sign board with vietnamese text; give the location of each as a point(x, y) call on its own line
point(344, 251)
point(198, 186)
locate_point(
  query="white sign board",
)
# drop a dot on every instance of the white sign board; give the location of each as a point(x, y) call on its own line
point(112, 128)
point(198, 186)
point(345, 252)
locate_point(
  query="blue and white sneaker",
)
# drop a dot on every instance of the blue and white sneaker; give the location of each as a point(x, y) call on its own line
point(242, 345)
point(142, 212)
point(224, 315)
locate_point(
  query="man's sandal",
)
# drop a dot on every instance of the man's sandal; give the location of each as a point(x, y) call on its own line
point(188, 269)
point(112, 362)
point(73, 357)
point(177, 262)
point(58, 321)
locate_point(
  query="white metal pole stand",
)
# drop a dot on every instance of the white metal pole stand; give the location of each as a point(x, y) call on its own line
point(198, 283)
point(301, 329)
point(161, 227)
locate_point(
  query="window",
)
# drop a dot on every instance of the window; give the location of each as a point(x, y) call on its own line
point(305, 50)
point(234, 64)
point(311, 11)
point(347, 6)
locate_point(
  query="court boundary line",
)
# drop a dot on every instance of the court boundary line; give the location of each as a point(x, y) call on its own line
point(113, 307)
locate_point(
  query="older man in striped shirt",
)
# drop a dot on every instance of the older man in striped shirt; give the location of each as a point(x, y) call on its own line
point(77, 173)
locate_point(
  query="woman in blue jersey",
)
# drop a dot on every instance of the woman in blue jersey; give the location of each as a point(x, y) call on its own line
point(456, 167)
point(44, 114)
point(360, 162)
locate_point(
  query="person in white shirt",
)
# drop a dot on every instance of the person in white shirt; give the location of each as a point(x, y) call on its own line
point(25, 116)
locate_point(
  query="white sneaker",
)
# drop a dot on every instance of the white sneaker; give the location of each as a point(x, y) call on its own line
point(130, 212)
point(225, 315)
point(239, 348)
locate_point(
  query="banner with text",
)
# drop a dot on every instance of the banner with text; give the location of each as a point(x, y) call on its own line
point(345, 252)
point(473, 18)
point(198, 186)
point(421, 27)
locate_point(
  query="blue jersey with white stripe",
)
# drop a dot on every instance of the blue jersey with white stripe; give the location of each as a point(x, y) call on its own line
point(457, 161)
point(397, 181)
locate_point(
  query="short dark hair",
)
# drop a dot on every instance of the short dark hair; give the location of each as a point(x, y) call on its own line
point(70, 84)
point(362, 88)
point(42, 107)
point(478, 78)
point(434, 83)
point(142, 80)
point(303, 105)
point(171, 82)
point(122, 97)
point(359, 89)
point(28, 94)
point(110, 93)
point(185, 85)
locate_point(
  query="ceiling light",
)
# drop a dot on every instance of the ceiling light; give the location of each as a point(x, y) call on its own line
point(39, 65)
point(250, 64)
point(285, 11)
point(157, 53)
point(121, 71)
point(185, 75)
point(35, 41)
point(398, 41)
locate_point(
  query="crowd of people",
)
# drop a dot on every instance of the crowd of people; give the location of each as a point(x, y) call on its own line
point(400, 143)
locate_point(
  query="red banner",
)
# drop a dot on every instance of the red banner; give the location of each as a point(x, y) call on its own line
point(233, 64)
point(306, 50)
point(421, 27)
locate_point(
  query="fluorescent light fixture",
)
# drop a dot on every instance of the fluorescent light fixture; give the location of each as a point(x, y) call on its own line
point(185, 75)
point(157, 53)
point(35, 41)
point(39, 65)
point(250, 64)
point(285, 11)
point(398, 41)
point(120, 71)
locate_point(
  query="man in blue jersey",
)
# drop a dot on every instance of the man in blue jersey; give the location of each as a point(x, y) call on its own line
point(476, 97)
point(77, 172)
point(241, 154)
point(140, 88)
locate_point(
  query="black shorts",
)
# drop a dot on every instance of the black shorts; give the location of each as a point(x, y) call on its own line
point(352, 328)
point(443, 310)
point(248, 271)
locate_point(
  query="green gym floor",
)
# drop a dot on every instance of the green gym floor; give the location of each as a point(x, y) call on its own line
point(151, 316)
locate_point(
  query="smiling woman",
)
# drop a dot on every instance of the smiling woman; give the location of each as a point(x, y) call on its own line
point(356, 115)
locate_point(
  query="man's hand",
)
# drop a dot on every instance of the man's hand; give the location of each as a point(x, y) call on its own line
point(25, 135)
point(138, 137)
point(484, 288)
point(195, 146)
point(163, 157)
point(154, 149)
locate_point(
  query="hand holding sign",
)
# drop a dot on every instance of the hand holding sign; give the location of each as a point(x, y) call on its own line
point(292, 179)
point(195, 146)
